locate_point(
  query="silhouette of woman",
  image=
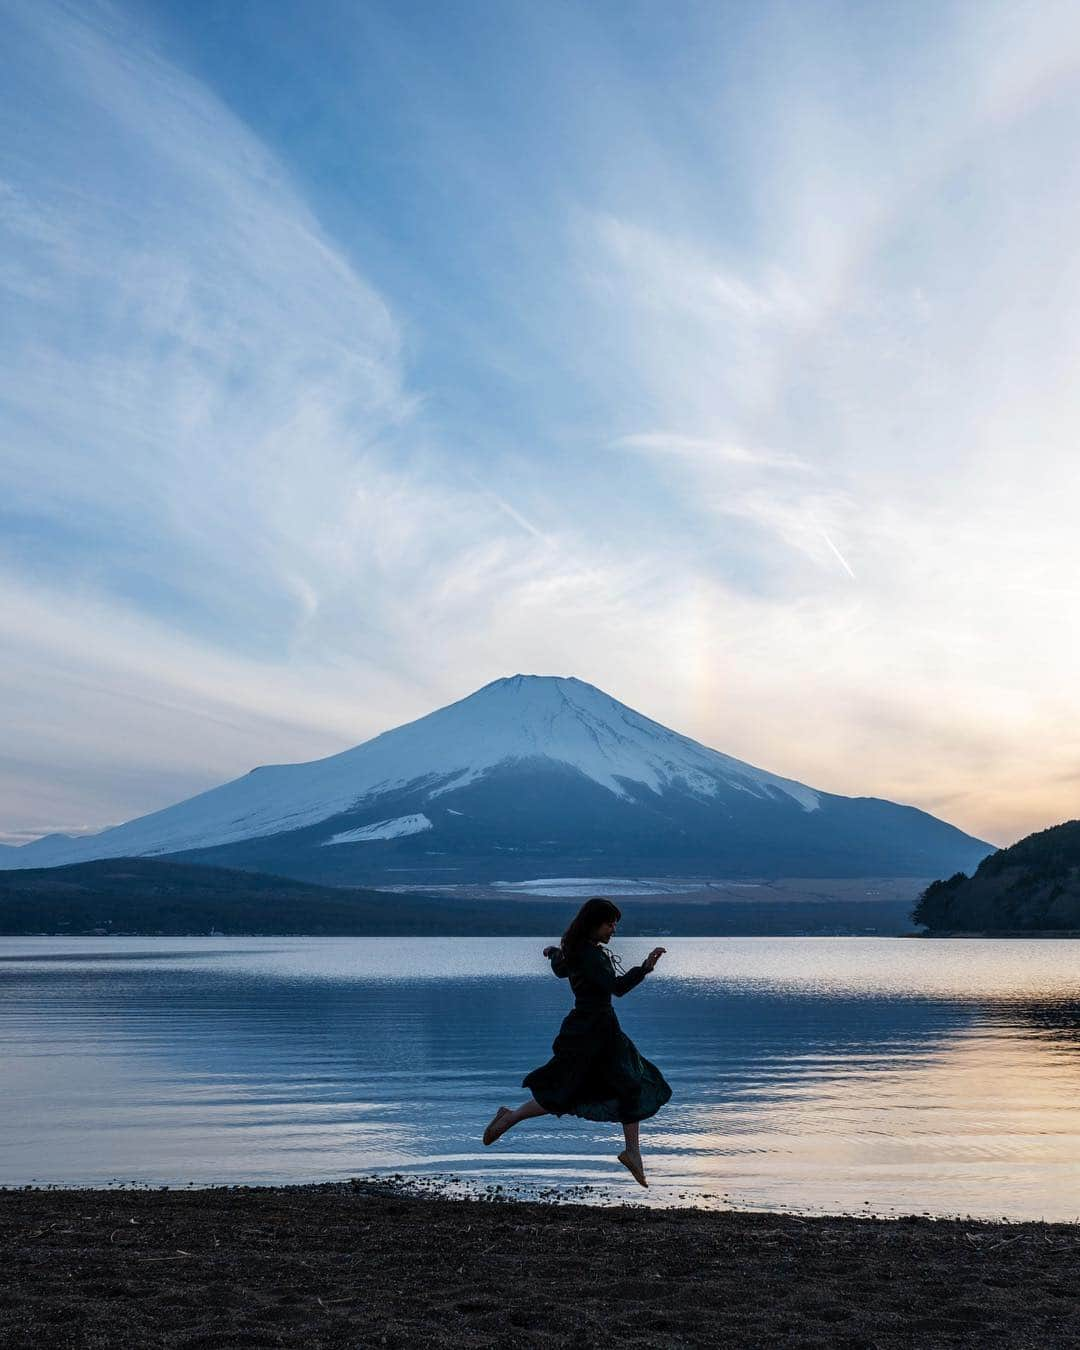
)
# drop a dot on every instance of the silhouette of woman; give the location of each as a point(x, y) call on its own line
point(595, 1070)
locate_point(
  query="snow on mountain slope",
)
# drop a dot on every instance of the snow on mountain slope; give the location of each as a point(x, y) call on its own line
point(382, 829)
point(524, 717)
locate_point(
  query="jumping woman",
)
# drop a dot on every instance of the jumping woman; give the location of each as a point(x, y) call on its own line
point(595, 1071)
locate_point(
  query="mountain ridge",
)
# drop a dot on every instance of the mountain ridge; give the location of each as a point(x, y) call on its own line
point(527, 771)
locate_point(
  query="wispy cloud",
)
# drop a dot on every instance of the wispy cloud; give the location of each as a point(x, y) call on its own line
point(750, 399)
point(703, 451)
point(252, 537)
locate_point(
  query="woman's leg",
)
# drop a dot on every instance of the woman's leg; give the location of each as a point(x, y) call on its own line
point(524, 1112)
point(630, 1157)
point(504, 1120)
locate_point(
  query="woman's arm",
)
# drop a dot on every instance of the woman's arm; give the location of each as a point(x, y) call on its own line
point(602, 973)
point(558, 962)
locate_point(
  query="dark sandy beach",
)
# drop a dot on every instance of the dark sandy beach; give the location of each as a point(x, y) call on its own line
point(361, 1265)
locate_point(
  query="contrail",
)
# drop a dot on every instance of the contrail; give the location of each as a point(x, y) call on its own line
point(505, 506)
point(517, 517)
point(843, 560)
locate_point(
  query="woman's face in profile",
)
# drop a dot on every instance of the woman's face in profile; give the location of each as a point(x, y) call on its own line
point(606, 931)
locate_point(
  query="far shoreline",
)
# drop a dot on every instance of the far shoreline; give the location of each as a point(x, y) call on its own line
point(411, 933)
point(1051, 934)
point(1011, 935)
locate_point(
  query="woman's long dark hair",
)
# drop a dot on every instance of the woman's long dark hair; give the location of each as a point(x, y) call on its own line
point(595, 911)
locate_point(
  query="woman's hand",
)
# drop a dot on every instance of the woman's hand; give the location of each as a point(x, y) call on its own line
point(650, 961)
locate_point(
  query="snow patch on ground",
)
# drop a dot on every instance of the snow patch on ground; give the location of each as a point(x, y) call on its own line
point(585, 886)
point(382, 829)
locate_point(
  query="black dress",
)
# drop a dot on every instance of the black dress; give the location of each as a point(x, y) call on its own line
point(596, 1071)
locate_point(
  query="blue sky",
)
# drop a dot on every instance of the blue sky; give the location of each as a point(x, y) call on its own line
point(723, 355)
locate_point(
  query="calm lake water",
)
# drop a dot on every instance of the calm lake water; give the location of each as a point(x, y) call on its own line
point(819, 1074)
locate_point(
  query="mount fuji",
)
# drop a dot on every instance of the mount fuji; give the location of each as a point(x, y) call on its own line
point(531, 775)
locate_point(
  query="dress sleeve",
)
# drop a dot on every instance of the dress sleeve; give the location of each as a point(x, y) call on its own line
point(558, 964)
point(602, 973)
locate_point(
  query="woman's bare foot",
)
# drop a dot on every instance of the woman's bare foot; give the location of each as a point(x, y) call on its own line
point(631, 1160)
point(495, 1126)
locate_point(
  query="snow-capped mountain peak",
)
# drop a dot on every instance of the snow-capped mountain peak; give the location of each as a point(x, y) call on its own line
point(510, 721)
point(566, 720)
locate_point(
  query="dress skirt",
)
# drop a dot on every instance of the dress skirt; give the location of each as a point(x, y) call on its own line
point(597, 1073)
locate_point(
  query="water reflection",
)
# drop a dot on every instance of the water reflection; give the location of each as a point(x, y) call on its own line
point(812, 1073)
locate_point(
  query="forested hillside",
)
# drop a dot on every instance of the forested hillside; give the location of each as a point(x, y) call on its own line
point(1034, 886)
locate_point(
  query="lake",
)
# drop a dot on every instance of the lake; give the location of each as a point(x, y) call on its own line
point(816, 1074)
